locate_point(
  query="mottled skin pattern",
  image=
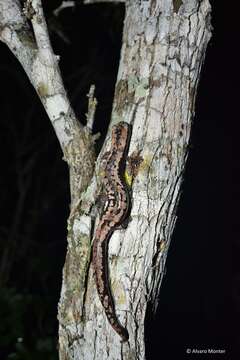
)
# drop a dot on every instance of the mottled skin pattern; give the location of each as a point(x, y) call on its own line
point(114, 213)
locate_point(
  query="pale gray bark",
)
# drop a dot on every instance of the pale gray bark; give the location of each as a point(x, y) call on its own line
point(34, 52)
point(164, 44)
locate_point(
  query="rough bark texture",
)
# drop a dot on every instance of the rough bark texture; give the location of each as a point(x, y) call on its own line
point(34, 52)
point(164, 45)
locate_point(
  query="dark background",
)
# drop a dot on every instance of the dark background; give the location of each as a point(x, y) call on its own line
point(199, 303)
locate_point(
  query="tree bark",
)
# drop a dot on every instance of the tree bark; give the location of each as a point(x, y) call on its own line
point(164, 44)
point(34, 52)
point(163, 49)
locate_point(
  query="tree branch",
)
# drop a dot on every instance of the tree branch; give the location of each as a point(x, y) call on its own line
point(38, 61)
point(35, 53)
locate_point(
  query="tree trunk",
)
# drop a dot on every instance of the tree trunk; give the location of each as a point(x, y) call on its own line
point(163, 48)
point(164, 44)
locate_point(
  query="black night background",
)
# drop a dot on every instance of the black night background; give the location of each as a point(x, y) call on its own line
point(200, 295)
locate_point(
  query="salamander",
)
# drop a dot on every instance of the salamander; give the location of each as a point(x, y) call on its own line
point(115, 212)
